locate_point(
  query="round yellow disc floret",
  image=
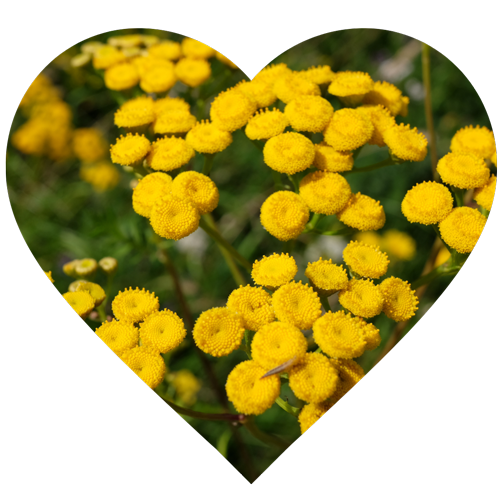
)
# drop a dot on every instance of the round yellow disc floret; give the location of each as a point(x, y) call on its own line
point(406, 143)
point(166, 50)
point(163, 330)
point(85, 267)
point(284, 215)
point(198, 188)
point(130, 150)
point(193, 72)
point(102, 176)
point(136, 305)
point(400, 301)
point(272, 72)
point(484, 195)
point(218, 331)
point(363, 213)
point(165, 104)
point(462, 228)
point(309, 113)
point(382, 120)
point(427, 203)
point(95, 290)
point(365, 260)
point(260, 91)
point(362, 298)
point(148, 191)
point(118, 336)
point(311, 413)
point(169, 153)
point(205, 137)
point(106, 56)
point(232, 109)
point(135, 113)
point(147, 364)
point(81, 302)
point(174, 218)
point(314, 379)
point(248, 391)
point(326, 278)
point(325, 192)
point(158, 78)
point(387, 95)
point(399, 244)
point(89, 144)
point(328, 159)
point(198, 50)
point(297, 304)
point(351, 84)
point(339, 335)
point(318, 74)
point(350, 374)
point(174, 121)
point(274, 270)
point(121, 76)
point(278, 343)
point(349, 129)
point(292, 85)
point(289, 153)
point(463, 170)
point(266, 124)
point(474, 140)
point(371, 334)
point(125, 41)
point(254, 305)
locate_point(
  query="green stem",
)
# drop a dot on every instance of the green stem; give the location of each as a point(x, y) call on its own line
point(287, 407)
point(227, 417)
point(325, 303)
point(294, 182)
point(375, 166)
point(258, 144)
point(311, 225)
point(269, 439)
point(435, 273)
point(345, 231)
point(209, 161)
point(459, 196)
point(102, 313)
point(278, 183)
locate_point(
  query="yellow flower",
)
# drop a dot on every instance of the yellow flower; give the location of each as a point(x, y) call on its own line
point(381, 119)
point(174, 218)
point(266, 124)
point(462, 228)
point(193, 72)
point(81, 302)
point(102, 176)
point(146, 63)
point(159, 78)
point(363, 213)
point(405, 143)
point(309, 113)
point(325, 192)
point(442, 256)
point(49, 275)
point(89, 144)
point(349, 129)
point(289, 153)
point(95, 290)
point(371, 334)
point(31, 137)
point(195, 49)
point(166, 50)
point(350, 374)
point(259, 91)
point(108, 265)
point(284, 215)
point(147, 364)
point(339, 335)
point(314, 379)
point(399, 245)
point(162, 330)
point(205, 137)
point(369, 238)
point(165, 104)
point(272, 72)
point(278, 343)
point(311, 413)
point(132, 306)
point(218, 331)
point(463, 170)
point(121, 76)
point(274, 270)
point(254, 305)
point(186, 386)
point(248, 391)
point(365, 260)
point(125, 41)
point(350, 86)
point(74, 285)
point(297, 304)
point(387, 95)
point(148, 191)
point(400, 301)
point(198, 188)
point(292, 85)
point(427, 203)
point(328, 159)
point(232, 109)
point(484, 194)
point(318, 74)
point(175, 121)
point(494, 158)
point(85, 267)
point(477, 140)
point(118, 336)
point(326, 278)
point(130, 150)
point(135, 113)
point(362, 298)
point(223, 59)
point(169, 153)
point(106, 56)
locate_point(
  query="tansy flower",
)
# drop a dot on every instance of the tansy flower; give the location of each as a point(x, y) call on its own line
point(254, 305)
point(146, 63)
point(309, 113)
point(326, 278)
point(163, 330)
point(130, 150)
point(363, 213)
point(314, 379)
point(369, 237)
point(165, 104)
point(349, 129)
point(186, 386)
point(293, 85)
point(371, 334)
point(193, 72)
point(328, 159)
point(339, 335)
point(135, 113)
point(350, 374)
point(362, 298)
point(149, 40)
point(169, 153)
point(132, 306)
point(95, 290)
point(442, 257)
point(325, 192)
point(81, 302)
point(118, 336)
point(223, 59)
point(297, 304)
point(85, 267)
point(259, 91)
point(272, 72)
point(175, 121)
point(463, 170)
point(400, 301)
point(462, 228)
point(311, 413)
point(274, 270)
point(284, 215)
point(74, 285)
point(106, 56)
point(148, 191)
point(49, 275)
point(405, 143)
point(31, 137)
point(125, 40)
point(102, 176)
point(387, 95)
point(484, 194)
point(174, 218)
point(147, 364)
point(289, 153)
point(69, 268)
point(318, 74)
point(232, 109)
point(218, 331)
point(399, 245)
point(121, 76)
point(494, 158)
point(159, 78)
point(166, 50)
point(381, 119)
point(108, 265)
point(205, 137)
point(427, 203)
point(477, 140)
point(365, 260)
point(248, 391)
point(350, 86)
point(278, 343)
point(198, 188)
point(195, 49)
point(89, 144)
point(266, 124)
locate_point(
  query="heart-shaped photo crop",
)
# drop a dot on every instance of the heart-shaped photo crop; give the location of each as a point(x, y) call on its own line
point(251, 249)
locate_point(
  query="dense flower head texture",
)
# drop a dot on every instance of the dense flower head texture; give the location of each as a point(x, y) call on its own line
point(121, 76)
point(400, 301)
point(362, 212)
point(274, 270)
point(348, 130)
point(205, 137)
point(192, 72)
point(405, 143)
point(311, 413)
point(365, 260)
point(362, 297)
point(266, 124)
point(318, 74)
point(484, 195)
point(146, 363)
point(95, 291)
point(328, 159)
point(382, 120)
point(326, 278)
point(232, 109)
point(387, 95)
point(461, 228)
point(118, 335)
point(309, 113)
point(174, 121)
point(476, 140)
point(289, 153)
point(149, 190)
point(162, 330)
point(463, 170)
point(133, 306)
point(135, 113)
point(82, 302)
point(292, 85)
point(198, 188)
point(254, 305)
point(130, 150)
point(169, 153)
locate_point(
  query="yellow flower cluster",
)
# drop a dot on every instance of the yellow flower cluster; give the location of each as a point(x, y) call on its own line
point(398, 244)
point(366, 261)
